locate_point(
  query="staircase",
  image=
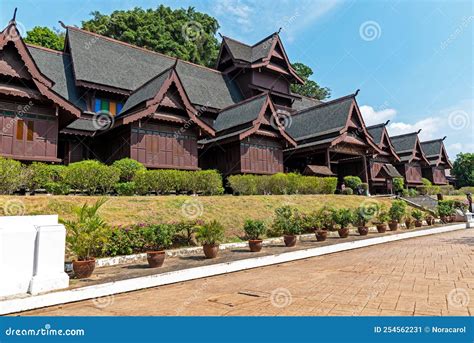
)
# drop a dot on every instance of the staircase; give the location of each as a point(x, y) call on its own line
point(423, 202)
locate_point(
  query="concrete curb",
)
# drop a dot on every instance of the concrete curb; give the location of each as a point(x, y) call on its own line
point(122, 286)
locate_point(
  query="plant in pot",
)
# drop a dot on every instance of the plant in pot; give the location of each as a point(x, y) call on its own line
point(396, 213)
point(408, 220)
point(325, 218)
point(158, 238)
point(444, 210)
point(86, 237)
point(381, 219)
point(210, 235)
point(343, 217)
point(418, 216)
point(288, 222)
point(429, 219)
point(254, 229)
point(361, 216)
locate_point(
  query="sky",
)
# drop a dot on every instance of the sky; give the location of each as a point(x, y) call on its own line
point(411, 60)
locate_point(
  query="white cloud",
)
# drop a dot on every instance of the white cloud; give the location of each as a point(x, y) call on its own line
point(430, 128)
point(372, 117)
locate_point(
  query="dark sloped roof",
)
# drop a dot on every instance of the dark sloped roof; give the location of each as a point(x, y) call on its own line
point(111, 63)
point(247, 53)
point(317, 120)
point(146, 92)
point(432, 148)
point(239, 114)
point(305, 102)
point(83, 125)
point(313, 169)
point(376, 132)
point(57, 67)
point(391, 170)
point(404, 142)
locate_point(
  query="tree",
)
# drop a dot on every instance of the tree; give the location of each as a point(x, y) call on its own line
point(310, 88)
point(463, 169)
point(182, 33)
point(45, 37)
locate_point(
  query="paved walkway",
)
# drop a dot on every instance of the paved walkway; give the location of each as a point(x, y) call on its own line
point(431, 275)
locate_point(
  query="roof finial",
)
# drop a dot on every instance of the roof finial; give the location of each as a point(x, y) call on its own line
point(444, 138)
point(386, 123)
point(175, 63)
point(220, 34)
point(357, 92)
point(14, 16)
point(418, 131)
point(279, 30)
point(62, 24)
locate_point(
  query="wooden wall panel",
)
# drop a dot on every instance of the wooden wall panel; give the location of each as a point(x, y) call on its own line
point(261, 156)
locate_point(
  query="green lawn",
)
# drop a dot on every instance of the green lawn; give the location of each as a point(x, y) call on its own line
point(230, 210)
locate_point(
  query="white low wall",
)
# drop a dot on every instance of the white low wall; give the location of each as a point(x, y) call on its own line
point(31, 255)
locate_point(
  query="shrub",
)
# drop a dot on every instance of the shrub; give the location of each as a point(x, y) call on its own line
point(352, 181)
point(126, 241)
point(329, 185)
point(286, 222)
point(412, 192)
point(397, 210)
point(278, 183)
point(343, 217)
point(209, 182)
point(254, 228)
point(88, 233)
point(210, 233)
point(417, 214)
point(37, 176)
point(10, 175)
point(57, 188)
point(465, 190)
point(309, 222)
point(326, 217)
point(125, 188)
point(243, 184)
point(398, 184)
point(158, 237)
point(128, 168)
point(426, 182)
point(347, 191)
point(363, 214)
point(186, 229)
point(445, 208)
point(383, 215)
point(91, 176)
point(364, 187)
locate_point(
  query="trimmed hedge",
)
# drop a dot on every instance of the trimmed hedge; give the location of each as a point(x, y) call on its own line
point(91, 177)
point(352, 181)
point(11, 177)
point(281, 183)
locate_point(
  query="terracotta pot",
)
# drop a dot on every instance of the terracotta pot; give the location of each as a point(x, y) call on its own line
point(452, 219)
point(321, 235)
point(255, 245)
point(83, 269)
point(408, 224)
point(418, 223)
point(363, 230)
point(393, 225)
point(155, 258)
point(290, 240)
point(210, 250)
point(343, 232)
point(444, 219)
point(381, 228)
point(429, 221)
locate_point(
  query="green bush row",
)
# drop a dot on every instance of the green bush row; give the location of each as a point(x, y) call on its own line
point(125, 177)
point(281, 183)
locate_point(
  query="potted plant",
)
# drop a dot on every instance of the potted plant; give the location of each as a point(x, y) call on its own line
point(288, 222)
point(361, 217)
point(444, 211)
point(343, 217)
point(381, 219)
point(325, 219)
point(408, 220)
point(158, 238)
point(210, 235)
point(396, 213)
point(253, 230)
point(86, 237)
point(418, 215)
point(429, 219)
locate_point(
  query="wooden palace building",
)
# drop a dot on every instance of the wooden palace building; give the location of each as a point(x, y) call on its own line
point(104, 99)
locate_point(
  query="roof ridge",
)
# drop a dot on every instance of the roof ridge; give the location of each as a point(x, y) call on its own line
point(113, 40)
point(250, 46)
point(325, 104)
point(405, 134)
point(376, 125)
point(255, 97)
point(432, 140)
point(46, 49)
point(152, 79)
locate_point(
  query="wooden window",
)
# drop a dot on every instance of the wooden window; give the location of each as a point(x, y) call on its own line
point(97, 105)
point(19, 129)
point(31, 129)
